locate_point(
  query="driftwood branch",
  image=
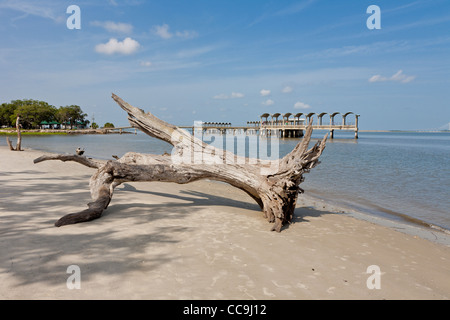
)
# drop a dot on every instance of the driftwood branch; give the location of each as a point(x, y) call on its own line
point(273, 184)
point(69, 157)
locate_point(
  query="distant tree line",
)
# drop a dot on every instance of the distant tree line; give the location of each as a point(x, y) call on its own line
point(94, 125)
point(33, 113)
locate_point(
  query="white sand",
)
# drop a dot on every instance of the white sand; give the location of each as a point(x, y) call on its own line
point(203, 240)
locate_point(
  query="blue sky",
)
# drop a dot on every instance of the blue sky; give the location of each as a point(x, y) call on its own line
point(232, 60)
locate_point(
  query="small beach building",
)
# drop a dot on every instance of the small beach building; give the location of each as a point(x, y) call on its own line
point(57, 125)
point(50, 125)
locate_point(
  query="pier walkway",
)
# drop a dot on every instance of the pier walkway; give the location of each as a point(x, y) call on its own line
point(286, 125)
point(119, 130)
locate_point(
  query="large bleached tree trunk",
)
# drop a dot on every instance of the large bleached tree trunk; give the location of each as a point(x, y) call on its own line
point(273, 184)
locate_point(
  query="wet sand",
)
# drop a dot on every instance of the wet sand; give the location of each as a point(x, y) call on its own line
point(203, 240)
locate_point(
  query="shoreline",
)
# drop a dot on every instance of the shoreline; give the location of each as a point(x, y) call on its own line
point(408, 225)
point(13, 132)
point(389, 218)
point(202, 240)
point(397, 221)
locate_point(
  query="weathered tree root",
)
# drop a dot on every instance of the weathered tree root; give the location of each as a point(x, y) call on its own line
point(274, 185)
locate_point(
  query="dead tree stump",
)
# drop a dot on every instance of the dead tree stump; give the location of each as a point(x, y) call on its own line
point(18, 146)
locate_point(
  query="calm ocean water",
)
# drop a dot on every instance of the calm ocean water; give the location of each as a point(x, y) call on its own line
point(397, 175)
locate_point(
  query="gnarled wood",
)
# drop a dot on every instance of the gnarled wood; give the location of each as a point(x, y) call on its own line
point(274, 184)
point(70, 157)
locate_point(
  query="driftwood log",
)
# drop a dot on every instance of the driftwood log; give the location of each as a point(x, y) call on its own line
point(273, 184)
point(18, 146)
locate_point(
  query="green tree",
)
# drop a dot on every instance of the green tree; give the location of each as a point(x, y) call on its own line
point(62, 115)
point(94, 125)
point(6, 113)
point(108, 125)
point(71, 115)
point(32, 112)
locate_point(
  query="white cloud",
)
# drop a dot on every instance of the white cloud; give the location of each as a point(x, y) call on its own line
point(234, 95)
point(127, 46)
point(301, 105)
point(221, 96)
point(145, 63)
point(186, 34)
point(42, 9)
point(289, 10)
point(163, 32)
point(398, 77)
point(237, 95)
point(188, 53)
point(287, 89)
point(264, 92)
point(377, 78)
point(268, 102)
point(111, 26)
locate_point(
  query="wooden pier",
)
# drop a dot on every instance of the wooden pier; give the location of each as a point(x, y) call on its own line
point(287, 126)
point(119, 130)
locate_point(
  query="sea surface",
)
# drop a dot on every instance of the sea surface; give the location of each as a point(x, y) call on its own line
point(397, 175)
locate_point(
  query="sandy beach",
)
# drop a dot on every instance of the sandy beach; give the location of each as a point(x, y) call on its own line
point(203, 240)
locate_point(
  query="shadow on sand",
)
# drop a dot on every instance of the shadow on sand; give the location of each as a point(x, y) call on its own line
point(32, 250)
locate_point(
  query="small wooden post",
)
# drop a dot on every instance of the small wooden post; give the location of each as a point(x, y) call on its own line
point(356, 126)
